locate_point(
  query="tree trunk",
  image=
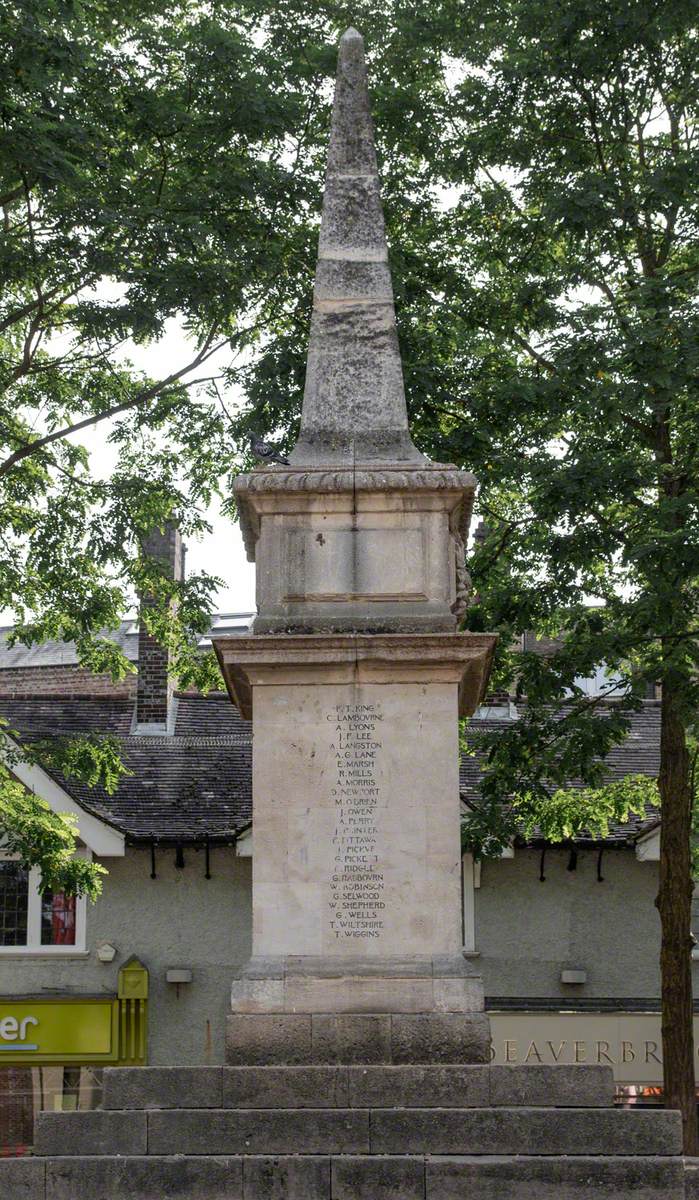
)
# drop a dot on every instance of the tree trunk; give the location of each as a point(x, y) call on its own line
point(674, 904)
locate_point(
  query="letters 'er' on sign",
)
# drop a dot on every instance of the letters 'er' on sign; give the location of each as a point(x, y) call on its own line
point(355, 674)
point(58, 1030)
point(79, 1029)
point(13, 1031)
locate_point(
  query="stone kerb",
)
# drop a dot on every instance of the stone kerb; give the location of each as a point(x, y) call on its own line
point(346, 1177)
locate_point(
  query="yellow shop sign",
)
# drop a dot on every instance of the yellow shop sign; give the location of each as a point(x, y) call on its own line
point(58, 1030)
point(78, 1029)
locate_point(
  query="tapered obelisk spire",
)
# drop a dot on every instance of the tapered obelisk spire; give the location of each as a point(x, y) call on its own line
point(354, 403)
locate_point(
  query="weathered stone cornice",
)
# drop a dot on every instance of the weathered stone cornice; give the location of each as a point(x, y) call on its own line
point(274, 659)
point(372, 478)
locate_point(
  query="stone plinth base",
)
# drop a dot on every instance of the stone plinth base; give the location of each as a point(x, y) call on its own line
point(296, 1009)
point(293, 984)
point(354, 1132)
point(269, 1039)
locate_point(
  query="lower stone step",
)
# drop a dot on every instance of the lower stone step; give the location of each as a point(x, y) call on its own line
point(343, 1178)
point(470, 1086)
point(548, 1178)
point(508, 1131)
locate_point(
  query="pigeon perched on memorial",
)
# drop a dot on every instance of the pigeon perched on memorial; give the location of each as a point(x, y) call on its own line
point(266, 452)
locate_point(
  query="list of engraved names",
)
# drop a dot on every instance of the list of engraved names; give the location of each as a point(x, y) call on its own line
point(357, 884)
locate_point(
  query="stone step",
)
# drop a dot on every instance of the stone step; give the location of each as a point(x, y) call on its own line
point(691, 1178)
point(526, 1131)
point(549, 1178)
point(523, 1131)
point(263, 1177)
point(357, 1087)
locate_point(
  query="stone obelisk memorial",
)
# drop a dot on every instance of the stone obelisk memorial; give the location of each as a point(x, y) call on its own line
point(355, 677)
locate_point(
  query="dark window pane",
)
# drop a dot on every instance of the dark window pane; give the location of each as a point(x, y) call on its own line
point(57, 919)
point(14, 900)
point(16, 1111)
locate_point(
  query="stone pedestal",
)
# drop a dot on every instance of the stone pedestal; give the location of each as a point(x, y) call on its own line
point(356, 837)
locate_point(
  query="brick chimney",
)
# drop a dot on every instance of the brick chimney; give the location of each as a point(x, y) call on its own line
point(481, 533)
point(155, 687)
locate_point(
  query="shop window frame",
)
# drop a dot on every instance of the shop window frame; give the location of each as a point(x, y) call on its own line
point(34, 947)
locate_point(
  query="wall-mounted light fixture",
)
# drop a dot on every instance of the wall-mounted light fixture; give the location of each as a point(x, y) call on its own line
point(178, 975)
point(106, 953)
point(574, 977)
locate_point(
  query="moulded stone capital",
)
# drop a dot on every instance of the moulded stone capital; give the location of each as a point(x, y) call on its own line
point(375, 477)
point(273, 659)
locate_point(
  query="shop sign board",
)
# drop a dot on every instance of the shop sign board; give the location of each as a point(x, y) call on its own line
point(629, 1043)
point(58, 1030)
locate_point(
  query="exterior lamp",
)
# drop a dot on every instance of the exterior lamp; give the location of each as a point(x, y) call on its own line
point(574, 977)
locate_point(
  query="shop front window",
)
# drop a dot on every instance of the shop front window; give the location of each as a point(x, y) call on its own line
point(33, 922)
point(27, 1091)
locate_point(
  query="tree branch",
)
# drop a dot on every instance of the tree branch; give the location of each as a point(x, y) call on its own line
point(141, 398)
point(20, 313)
point(542, 361)
point(11, 196)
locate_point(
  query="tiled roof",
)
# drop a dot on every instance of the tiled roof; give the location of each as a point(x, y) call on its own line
point(196, 783)
point(639, 754)
point(199, 781)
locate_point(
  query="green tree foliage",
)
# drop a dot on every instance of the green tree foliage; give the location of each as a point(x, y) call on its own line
point(29, 827)
point(146, 177)
point(578, 307)
point(148, 180)
point(561, 815)
point(47, 840)
point(141, 182)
